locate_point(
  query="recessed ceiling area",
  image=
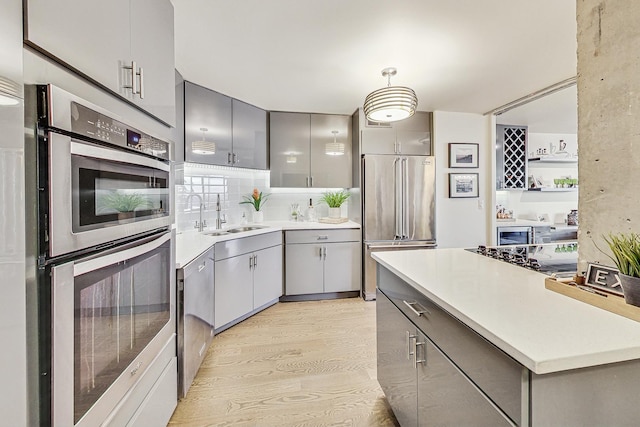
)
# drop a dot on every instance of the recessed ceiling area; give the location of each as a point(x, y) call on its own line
point(326, 56)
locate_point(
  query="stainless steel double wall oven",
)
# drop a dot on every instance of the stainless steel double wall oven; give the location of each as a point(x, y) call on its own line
point(105, 276)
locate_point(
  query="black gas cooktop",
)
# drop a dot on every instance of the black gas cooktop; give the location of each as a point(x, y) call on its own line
point(547, 258)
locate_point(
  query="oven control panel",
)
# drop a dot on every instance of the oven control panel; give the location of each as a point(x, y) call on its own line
point(88, 122)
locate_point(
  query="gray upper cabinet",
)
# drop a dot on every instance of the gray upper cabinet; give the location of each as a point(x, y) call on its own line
point(330, 157)
point(410, 137)
point(207, 116)
point(249, 136)
point(105, 40)
point(289, 149)
point(238, 129)
point(304, 152)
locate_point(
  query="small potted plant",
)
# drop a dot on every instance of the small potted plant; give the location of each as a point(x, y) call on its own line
point(335, 199)
point(125, 204)
point(625, 248)
point(257, 200)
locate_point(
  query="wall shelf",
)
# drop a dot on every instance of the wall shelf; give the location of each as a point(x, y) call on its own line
point(553, 189)
point(553, 159)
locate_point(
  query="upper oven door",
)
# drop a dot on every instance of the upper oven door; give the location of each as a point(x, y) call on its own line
point(98, 194)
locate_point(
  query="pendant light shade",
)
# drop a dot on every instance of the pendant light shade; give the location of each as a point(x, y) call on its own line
point(334, 148)
point(391, 103)
point(203, 146)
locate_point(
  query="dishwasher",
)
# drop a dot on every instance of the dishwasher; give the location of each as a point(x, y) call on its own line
point(195, 316)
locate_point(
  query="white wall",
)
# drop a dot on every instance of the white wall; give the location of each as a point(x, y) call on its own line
point(233, 183)
point(13, 327)
point(462, 222)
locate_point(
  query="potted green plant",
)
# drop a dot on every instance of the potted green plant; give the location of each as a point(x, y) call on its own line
point(257, 200)
point(625, 248)
point(334, 199)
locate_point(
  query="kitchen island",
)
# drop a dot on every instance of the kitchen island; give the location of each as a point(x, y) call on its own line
point(517, 353)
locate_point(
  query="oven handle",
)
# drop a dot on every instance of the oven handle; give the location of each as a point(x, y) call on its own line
point(97, 152)
point(101, 262)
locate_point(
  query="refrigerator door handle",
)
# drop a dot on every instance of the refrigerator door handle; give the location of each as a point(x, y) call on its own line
point(405, 201)
point(397, 197)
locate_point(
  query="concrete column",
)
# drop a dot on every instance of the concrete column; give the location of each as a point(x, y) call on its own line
point(608, 123)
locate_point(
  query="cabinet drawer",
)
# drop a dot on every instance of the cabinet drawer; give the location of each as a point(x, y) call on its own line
point(245, 245)
point(322, 236)
point(493, 371)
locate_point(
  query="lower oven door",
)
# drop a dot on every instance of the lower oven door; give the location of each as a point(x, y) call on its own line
point(99, 194)
point(112, 315)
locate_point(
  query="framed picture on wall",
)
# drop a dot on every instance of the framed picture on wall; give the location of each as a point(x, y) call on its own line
point(463, 185)
point(462, 155)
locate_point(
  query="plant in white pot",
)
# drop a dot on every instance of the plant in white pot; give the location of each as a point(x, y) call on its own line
point(257, 200)
point(335, 199)
point(625, 248)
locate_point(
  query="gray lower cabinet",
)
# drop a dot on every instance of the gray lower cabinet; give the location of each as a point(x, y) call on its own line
point(322, 261)
point(248, 277)
point(421, 384)
point(114, 43)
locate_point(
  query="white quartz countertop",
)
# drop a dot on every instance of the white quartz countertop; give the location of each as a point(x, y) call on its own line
point(190, 244)
point(510, 306)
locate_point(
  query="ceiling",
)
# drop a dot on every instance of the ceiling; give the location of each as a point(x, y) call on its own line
point(327, 55)
point(554, 113)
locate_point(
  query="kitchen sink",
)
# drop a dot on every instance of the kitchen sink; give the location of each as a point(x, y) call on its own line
point(245, 228)
point(216, 233)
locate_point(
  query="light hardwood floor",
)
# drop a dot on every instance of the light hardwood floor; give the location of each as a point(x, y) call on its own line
point(294, 364)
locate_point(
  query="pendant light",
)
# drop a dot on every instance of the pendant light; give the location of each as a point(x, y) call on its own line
point(334, 148)
point(203, 147)
point(391, 103)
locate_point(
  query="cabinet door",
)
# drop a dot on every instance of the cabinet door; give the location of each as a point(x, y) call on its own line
point(303, 269)
point(92, 37)
point(413, 135)
point(289, 149)
point(378, 140)
point(267, 276)
point(330, 161)
point(210, 110)
point(342, 267)
point(152, 48)
point(249, 136)
point(233, 289)
point(396, 374)
point(446, 396)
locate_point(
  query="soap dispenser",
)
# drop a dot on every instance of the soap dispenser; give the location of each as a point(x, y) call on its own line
point(311, 212)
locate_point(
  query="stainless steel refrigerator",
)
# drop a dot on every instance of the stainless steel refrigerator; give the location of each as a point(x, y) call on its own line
point(398, 208)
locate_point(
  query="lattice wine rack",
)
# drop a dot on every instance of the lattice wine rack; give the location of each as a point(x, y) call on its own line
point(514, 150)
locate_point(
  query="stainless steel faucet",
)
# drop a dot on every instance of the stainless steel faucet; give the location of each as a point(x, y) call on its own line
point(219, 221)
point(200, 224)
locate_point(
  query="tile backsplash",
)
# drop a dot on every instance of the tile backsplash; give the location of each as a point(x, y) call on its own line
point(196, 181)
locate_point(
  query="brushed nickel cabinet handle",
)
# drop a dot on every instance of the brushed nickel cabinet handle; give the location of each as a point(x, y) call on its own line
point(419, 312)
point(141, 74)
point(134, 80)
point(409, 336)
point(415, 351)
